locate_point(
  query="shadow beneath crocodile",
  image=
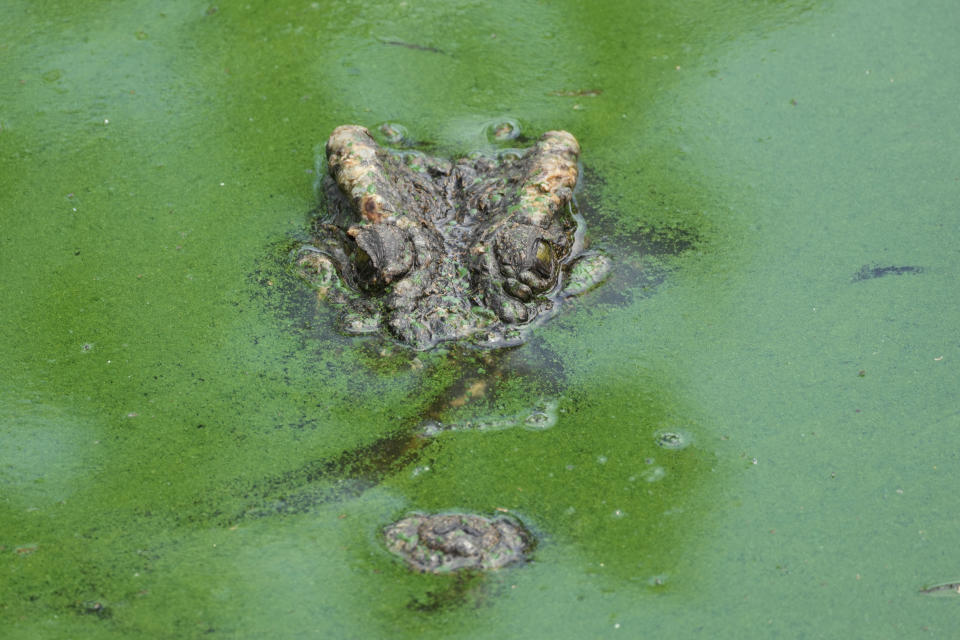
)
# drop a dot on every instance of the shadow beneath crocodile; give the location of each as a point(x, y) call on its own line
point(351, 473)
point(642, 260)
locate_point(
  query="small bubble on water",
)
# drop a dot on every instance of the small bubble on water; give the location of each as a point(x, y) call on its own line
point(393, 133)
point(502, 130)
point(539, 420)
point(432, 428)
point(654, 474)
point(672, 440)
point(658, 580)
point(510, 155)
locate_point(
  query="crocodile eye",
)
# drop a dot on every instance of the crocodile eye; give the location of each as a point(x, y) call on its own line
point(363, 265)
point(543, 260)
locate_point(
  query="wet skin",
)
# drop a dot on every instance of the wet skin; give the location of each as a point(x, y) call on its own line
point(440, 543)
point(436, 250)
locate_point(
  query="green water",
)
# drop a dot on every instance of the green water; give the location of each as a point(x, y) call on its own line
point(188, 447)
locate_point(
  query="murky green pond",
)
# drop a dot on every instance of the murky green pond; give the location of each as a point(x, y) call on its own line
point(189, 447)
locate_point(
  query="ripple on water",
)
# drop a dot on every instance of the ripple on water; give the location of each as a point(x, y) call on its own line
point(542, 419)
point(503, 130)
point(393, 133)
point(510, 155)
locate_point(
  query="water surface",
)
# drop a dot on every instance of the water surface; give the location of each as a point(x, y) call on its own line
point(189, 448)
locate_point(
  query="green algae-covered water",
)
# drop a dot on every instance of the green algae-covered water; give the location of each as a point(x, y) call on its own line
point(753, 424)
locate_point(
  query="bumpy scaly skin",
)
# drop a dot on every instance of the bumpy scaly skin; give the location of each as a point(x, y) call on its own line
point(448, 249)
point(519, 248)
point(448, 542)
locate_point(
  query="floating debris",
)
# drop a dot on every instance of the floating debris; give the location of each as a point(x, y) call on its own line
point(410, 45)
point(868, 272)
point(945, 589)
point(589, 93)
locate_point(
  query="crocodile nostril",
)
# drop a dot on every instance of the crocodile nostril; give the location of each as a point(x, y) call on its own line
point(382, 254)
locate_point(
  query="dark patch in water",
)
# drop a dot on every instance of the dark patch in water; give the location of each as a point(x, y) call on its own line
point(347, 475)
point(667, 240)
point(93, 608)
point(279, 291)
point(353, 472)
point(868, 272)
point(643, 257)
point(459, 589)
point(411, 45)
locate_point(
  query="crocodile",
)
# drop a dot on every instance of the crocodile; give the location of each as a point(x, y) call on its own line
point(432, 249)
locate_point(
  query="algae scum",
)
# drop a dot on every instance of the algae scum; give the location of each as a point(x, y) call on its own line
point(494, 388)
point(748, 429)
